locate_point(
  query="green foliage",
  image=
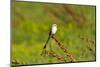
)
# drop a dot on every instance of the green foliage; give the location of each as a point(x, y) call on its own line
point(30, 26)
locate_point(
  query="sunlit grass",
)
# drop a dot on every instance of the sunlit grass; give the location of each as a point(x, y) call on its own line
point(29, 31)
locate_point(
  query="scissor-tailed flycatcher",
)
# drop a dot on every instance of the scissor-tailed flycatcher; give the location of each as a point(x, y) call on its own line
point(52, 31)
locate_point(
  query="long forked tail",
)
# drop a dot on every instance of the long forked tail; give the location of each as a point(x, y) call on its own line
point(46, 42)
point(43, 51)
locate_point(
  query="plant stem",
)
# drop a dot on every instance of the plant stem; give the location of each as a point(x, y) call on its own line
point(64, 49)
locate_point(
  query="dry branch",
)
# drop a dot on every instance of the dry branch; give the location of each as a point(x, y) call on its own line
point(53, 54)
point(88, 46)
point(64, 49)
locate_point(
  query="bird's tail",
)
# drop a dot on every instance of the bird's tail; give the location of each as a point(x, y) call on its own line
point(43, 51)
point(46, 43)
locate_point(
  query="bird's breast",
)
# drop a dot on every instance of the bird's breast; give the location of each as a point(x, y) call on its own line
point(54, 29)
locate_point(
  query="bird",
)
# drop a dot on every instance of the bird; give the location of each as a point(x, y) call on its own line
point(52, 32)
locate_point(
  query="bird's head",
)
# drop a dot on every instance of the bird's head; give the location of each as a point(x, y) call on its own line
point(54, 25)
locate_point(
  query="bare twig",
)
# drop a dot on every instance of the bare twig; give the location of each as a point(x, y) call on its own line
point(53, 54)
point(64, 49)
point(87, 39)
point(91, 50)
point(88, 46)
point(15, 61)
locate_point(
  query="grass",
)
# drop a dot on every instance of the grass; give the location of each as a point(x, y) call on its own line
point(30, 26)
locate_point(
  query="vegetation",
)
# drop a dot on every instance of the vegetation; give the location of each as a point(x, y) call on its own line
point(30, 24)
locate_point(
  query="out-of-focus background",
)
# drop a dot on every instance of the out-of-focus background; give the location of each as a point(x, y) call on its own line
point(30, 24)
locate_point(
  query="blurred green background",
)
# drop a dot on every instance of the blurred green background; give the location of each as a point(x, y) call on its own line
point(30, 24)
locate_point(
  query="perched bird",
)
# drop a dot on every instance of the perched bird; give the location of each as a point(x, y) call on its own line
point(52, 32)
